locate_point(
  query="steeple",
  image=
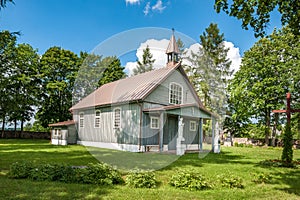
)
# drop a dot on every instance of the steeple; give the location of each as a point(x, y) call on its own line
point(172, 50)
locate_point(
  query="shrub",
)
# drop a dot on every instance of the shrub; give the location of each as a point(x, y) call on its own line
point(262, 178)
point(20, 170)
point(101, 173)
point(231, 181)
point(189, 180)
point(141, 180)
point(236, 144)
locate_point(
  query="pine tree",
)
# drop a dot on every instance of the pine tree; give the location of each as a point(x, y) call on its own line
point(146, 64)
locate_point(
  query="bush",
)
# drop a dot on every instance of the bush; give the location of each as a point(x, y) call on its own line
point(141, 180)
point(262, 178)
point(20, 170)
point(100, 174)
point(189, 180)
point(231, 181)
point(236, 144)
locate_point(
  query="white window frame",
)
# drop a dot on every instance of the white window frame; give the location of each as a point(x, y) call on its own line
point(117, 125)
point(176, 97)
point(152, 118)
point(81, 120)
point(97, 121)
point(193, 125)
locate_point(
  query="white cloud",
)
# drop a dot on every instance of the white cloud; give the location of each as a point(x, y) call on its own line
point(158, 6)
point(234, 55)
point(158, 50)
point(132, 2)
point(147, 8)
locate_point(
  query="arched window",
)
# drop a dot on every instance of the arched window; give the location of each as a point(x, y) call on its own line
point(117, 118)
point(175, 93)
point(97, 118)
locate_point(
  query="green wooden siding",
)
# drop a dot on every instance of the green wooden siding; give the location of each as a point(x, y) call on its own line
point(161, 93)
point(130, 125)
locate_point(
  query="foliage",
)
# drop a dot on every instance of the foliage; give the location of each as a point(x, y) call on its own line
point(231, 181)
point(146, 64)
point(100, 174)
point(189, 180)
point(262, 178)
point(287, 152)
point(3, 3)
point(265, 76)
point(210, 69)
point(256, 14)
point(113, 72)
point(94, 72)
point(139, 179)
point(58, 72)
point(20, 169)
point(18, 78)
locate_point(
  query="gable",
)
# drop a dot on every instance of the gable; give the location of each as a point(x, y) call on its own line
point(161, 93)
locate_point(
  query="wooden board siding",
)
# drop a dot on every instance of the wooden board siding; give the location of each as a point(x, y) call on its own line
point(149, 136)
point(130, 125)
point(191, 137)
point(161, 93)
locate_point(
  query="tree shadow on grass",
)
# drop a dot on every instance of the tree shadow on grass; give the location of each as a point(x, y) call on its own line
point(27, 189)
point(291, 178)
point(199, 159)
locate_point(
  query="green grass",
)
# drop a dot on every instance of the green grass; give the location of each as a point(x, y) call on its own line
point(237, 161)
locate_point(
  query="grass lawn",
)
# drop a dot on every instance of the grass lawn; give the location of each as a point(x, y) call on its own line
point(237, 161)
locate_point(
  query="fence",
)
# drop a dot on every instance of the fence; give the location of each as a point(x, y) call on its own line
point(25, 135)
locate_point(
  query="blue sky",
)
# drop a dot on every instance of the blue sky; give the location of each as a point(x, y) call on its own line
point(80, 25)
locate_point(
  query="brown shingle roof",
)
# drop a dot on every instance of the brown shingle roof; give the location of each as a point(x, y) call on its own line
point(126, 90)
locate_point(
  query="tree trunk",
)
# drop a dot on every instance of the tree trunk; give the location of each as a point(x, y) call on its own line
point(3, 126)
point(22, 125)
point(267, 128)
point(298, 126)
point(274, 129)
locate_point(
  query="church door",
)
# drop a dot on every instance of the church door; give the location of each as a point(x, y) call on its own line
point(172, 132)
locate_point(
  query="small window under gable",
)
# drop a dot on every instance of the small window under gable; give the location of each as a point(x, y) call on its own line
point(175, 93)
point(81, 120)
point(97, 118)
point(154, 122)
point(193, 126)
point(117, 118)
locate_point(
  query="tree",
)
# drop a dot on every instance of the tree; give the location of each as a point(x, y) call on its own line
point(7, 55)
point(256, 14)
point(210, 69)
point(113, 71)
point(3, 3)
point(146, 64)
point(24, 83)
point(94, 72)
point(59, 69)
point(265, 76)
